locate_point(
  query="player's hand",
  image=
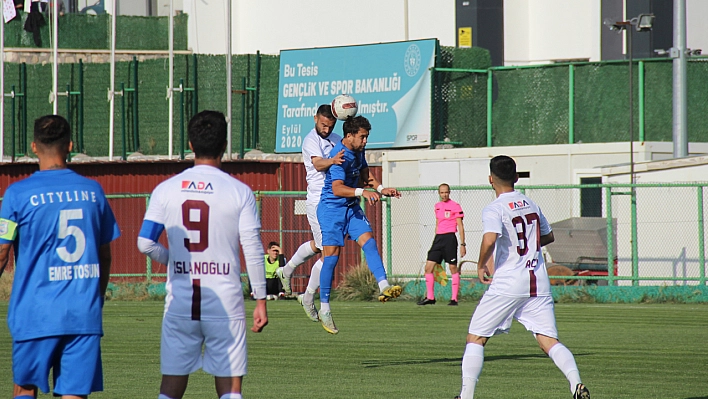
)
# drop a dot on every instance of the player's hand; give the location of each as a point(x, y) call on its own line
point(260, 316)
point(371, 196)
point(338, 159)
point(463, 251)
point(391, 192)
point(483, 274)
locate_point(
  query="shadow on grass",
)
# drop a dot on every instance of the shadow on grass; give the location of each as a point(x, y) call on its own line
point(457, 361)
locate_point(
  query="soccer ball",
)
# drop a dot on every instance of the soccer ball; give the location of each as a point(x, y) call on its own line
point(343, 106)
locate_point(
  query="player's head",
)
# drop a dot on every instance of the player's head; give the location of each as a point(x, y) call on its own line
point(207, 134)
point(273, 249)
point(324, 121)
point(356, 132)
point(444, 192)
point(503, 171)
point(52, 136)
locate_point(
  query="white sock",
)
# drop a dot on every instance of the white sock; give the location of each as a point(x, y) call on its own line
point(472, 362)
point(383, 284)
point(231, 396)
point(324, 306)
point(300, 256)
point(163, 396)
point(565, 361)
point(314, 283)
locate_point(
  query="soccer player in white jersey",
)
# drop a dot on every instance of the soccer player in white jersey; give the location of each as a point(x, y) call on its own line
point(514, 230)
point(206, 213)
point(316, 149)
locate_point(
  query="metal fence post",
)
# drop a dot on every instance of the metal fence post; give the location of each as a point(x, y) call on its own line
point(148, 263)
point(489, 107)
point(389, 245)
point(610, 237)
point(635, 245)
point(701, 238)
point(571, 104)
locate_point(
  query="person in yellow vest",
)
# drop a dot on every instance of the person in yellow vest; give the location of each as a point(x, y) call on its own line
point(273, 260)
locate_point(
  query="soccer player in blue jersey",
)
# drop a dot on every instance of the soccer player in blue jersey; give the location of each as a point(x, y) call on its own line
point(61, 227)
point(339, 214)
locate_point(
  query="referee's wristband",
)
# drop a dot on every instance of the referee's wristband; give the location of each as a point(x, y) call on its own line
point(380, 188)
point(358, 192)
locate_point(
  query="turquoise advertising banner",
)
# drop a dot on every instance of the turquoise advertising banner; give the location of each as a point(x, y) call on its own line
point(390, 82)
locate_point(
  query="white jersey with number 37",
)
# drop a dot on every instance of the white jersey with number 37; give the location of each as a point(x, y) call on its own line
point(519, 270)
point(206, 214)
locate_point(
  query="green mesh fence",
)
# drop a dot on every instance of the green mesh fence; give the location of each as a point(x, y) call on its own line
point(459, 104)
point(666, 223)
point(530, 105)
point(83, 31)
point(152, 84)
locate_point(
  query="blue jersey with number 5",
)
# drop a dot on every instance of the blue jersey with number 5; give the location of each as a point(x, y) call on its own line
point(56, 220)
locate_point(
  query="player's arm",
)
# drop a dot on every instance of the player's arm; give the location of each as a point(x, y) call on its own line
point(148, 242)
point(492, 228)
point(4, 256)
point(370, 181)
point(545, 230)
point(104, 263)
point(463, 243)
point(8, 227)
point(485, 254)
point(250, 236)
point(322, 164)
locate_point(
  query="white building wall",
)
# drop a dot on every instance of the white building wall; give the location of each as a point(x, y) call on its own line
point(538, 31)
point(667, 219)
point(414, 222)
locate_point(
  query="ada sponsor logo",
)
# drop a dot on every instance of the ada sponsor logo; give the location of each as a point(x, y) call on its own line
point(196, 185)
point(518, 204)
point(4, 227)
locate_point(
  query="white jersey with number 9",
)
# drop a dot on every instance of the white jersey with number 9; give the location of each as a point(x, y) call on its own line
point(206, 214)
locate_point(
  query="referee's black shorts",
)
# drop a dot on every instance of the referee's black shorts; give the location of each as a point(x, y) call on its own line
point(444, 248)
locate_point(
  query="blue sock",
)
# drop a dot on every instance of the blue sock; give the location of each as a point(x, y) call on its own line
point(373, 259)
point(326, 276)
point(24, 397)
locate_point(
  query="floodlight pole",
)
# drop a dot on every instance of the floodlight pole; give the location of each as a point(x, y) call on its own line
point(170, 77)
point(55, 57)
point(628, 30)
point(680, 72)
point(2, 91)
point(228, 79)
point(111, 91)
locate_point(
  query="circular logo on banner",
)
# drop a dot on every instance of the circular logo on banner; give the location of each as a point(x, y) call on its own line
point(411, 61)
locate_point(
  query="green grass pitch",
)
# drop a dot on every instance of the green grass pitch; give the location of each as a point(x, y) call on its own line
point(400, 350)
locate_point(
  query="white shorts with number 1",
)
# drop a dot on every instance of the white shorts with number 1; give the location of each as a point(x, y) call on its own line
point(224, 344)
point(495, 313)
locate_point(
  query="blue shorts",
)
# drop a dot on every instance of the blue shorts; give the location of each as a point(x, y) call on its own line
point(75, 360)
point(336, 223)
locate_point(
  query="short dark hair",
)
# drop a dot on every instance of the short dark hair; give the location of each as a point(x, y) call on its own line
point(444, 184)
point(52, 131)
point(273, 244)
point(207, 133)
point(353, 124)
point(325, 110)
point(503, 167)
